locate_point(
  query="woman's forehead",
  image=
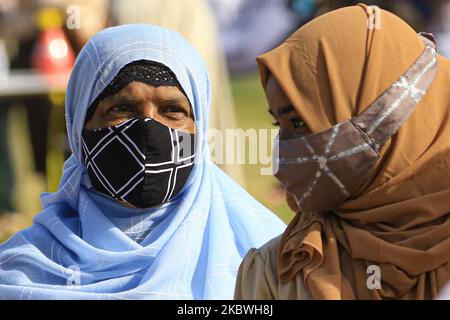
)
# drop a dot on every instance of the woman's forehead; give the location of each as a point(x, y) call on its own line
point(137, 91)
point(275, 94)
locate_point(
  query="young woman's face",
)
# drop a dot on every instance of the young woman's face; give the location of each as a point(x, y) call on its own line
point(166, 104)
point(290, 123)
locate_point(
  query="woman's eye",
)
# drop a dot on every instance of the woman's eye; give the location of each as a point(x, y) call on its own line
point(175, 109)
point(297, 123)
point(121, 108)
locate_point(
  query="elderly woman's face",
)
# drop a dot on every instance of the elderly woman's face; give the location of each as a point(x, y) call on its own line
point(166, 104)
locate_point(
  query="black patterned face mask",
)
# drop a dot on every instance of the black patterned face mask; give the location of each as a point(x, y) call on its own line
point(140, 161)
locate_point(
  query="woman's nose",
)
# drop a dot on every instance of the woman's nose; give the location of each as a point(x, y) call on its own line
point(149, 110)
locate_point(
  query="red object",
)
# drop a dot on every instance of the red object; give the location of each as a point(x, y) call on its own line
point(52, 53)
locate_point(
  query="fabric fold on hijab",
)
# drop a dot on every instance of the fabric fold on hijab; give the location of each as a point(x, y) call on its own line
point(332, 69)
point(74, 250)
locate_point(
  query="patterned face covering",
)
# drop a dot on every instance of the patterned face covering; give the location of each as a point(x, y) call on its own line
point(139, 161)
point(322, 170)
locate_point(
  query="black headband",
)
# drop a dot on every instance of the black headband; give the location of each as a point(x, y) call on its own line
point(145, 71)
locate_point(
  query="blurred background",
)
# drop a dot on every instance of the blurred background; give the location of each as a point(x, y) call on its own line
point(39, 41)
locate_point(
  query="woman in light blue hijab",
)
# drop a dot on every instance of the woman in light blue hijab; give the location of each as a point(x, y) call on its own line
point(83, 244)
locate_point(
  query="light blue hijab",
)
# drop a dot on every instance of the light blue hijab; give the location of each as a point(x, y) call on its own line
point(75, 251)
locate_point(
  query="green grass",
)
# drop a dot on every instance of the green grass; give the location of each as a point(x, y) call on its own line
point(251, 112)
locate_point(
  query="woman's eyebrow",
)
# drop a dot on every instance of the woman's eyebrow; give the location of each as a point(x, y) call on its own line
point(174, 100)
point(123, 99)
point(284, 110)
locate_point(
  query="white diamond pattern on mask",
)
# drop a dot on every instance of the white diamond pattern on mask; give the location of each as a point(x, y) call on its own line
point(176, 161)
point(119, 132)
point(322, 160)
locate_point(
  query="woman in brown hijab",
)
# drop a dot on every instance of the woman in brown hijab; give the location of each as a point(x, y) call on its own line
point(364, 152)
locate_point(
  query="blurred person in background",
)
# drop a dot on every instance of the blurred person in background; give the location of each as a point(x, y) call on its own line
point(247, 29)
point(141, 211)
point(25, 108)
point(18, 33)
point(363, 106)
point(5, 159)
point(250, 27)
point(439, 24)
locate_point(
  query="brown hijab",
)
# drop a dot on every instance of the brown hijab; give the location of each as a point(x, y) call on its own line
point(331, 69)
